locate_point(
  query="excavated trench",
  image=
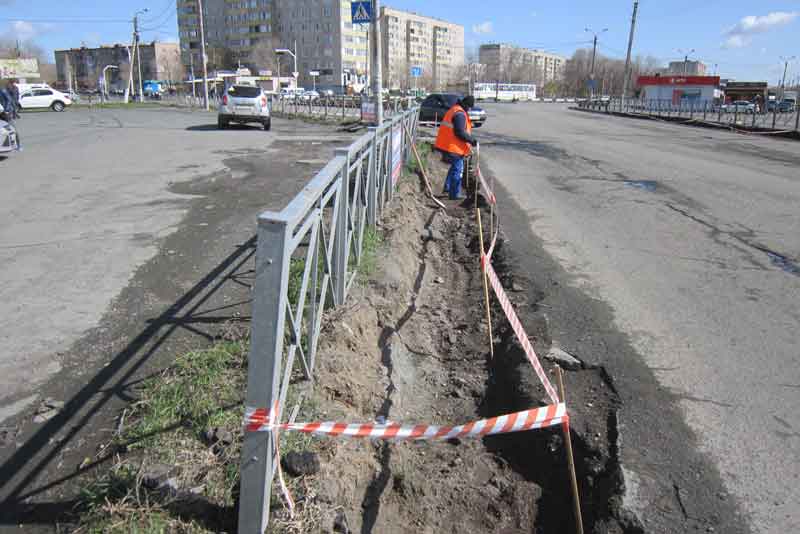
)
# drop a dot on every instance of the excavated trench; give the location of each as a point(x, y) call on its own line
point(425, 313)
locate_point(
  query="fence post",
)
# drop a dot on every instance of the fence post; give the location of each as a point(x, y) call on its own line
point(343, 107)
point(691, 110)
point(705, 110)
point(719, 118)
point(372, 179)
point(774, 114)
point(342, 225)
point(264, 370)
point(797, 119)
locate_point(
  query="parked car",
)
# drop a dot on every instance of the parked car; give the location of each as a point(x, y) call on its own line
point(740, 106)
point(435, 106)
point(9, 141)
point(306, 96)
point(243, 104)
point(787, 106)
point(44, 98)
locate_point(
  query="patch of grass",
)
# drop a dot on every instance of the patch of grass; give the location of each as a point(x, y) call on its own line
point(202, 390)
point(424, 150)
point(369, 253)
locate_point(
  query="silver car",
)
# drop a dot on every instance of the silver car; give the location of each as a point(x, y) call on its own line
point(9, 140)
point(243, 104)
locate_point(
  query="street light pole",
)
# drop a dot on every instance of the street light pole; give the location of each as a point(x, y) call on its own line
point(377, 67)
point(686, 59)
point(105, 78)
point(203, 51)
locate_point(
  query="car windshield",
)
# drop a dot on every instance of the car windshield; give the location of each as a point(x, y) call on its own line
point(244, 91)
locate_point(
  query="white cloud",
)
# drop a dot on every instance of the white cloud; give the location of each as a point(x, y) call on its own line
point(483, 28)
point(24, 31)
point(741, 34)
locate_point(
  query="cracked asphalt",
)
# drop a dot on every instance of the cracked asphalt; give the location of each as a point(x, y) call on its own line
point(685, 242)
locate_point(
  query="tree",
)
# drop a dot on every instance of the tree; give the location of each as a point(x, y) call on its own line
point(11, 48)
point(173, 67)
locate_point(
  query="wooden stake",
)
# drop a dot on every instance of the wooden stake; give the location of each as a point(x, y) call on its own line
point(485, 286)
point(570, 460)
point(422, 167)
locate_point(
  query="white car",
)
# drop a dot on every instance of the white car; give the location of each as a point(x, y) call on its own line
point(44, 98)
point(9, 142)
point(242, 104)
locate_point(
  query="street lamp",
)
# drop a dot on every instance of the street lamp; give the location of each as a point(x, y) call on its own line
point(105, 78)
point(686, 55)
point(294, 56)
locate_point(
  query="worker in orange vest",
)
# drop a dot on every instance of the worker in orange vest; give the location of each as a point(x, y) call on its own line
point(456, 141)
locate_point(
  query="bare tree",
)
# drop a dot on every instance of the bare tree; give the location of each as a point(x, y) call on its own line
point(173, 67)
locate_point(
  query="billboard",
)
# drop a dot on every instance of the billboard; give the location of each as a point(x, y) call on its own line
point(19, 68)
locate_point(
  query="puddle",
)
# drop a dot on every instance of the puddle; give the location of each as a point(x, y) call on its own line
point(647, 185)
point(783, 263)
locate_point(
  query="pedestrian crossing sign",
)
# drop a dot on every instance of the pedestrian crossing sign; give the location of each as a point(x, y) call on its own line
point(361, 12)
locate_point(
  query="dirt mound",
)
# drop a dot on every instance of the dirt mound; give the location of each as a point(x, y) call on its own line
point(412, 347)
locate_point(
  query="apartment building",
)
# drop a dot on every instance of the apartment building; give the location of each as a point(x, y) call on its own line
point(411, 40)
point(689, 68)
point(81, 68)
point(246, 33)
point(510, 63)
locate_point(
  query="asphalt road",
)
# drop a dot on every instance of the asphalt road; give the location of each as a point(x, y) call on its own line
point(690, 238)
point(89, 200)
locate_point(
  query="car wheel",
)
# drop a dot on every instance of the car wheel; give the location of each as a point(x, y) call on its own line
point(267, 125)
point(57, 106)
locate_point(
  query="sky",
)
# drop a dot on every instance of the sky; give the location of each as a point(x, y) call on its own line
point(744, 39)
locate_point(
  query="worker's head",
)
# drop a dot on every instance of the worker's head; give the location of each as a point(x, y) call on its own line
point(468, 102)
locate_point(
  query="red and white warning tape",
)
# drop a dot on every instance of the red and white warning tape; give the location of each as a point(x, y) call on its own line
point(259, 420)
point(516, 325)
point(490, 194)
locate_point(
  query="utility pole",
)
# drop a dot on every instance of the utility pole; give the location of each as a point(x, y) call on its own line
point(377, 67)
point(786, 61)
point(132, 60)
point(138, 52)
point(203, 51)
point(594, 55)
point(626, 80)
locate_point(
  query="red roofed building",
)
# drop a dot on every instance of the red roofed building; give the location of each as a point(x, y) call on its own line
point(677, 89)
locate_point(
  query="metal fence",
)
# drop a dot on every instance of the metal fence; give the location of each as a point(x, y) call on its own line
point(306, 260)
point(333, 107)
point(725, 115)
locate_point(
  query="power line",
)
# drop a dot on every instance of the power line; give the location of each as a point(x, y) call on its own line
point(168, 5)
point(70, 20)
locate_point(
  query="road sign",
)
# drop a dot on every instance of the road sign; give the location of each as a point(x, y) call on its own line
point(416, 72)
point(314, 73)
point(361, 12)
point(295, 74)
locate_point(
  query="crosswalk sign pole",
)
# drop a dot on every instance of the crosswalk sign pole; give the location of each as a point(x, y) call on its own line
point(377, 68)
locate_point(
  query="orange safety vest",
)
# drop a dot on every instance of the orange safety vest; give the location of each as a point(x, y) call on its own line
point(446, 137)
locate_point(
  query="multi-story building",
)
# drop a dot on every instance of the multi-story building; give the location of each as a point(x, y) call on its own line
point(247, 32)
point(83, 67)
point(689, 68)
point(509, 63)
point(323, 37)
point(410, 40)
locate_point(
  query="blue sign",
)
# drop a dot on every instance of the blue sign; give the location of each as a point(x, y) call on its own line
point(416, 72)
point(361, 12)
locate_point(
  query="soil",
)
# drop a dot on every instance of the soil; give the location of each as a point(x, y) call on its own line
point(412, 347)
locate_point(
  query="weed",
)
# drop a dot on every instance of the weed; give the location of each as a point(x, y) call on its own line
point(369, 252)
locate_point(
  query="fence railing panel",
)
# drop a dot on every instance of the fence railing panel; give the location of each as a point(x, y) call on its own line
point(307, 258)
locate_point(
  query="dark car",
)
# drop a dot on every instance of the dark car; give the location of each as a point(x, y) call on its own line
point(787, 106)
point(435, 105)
